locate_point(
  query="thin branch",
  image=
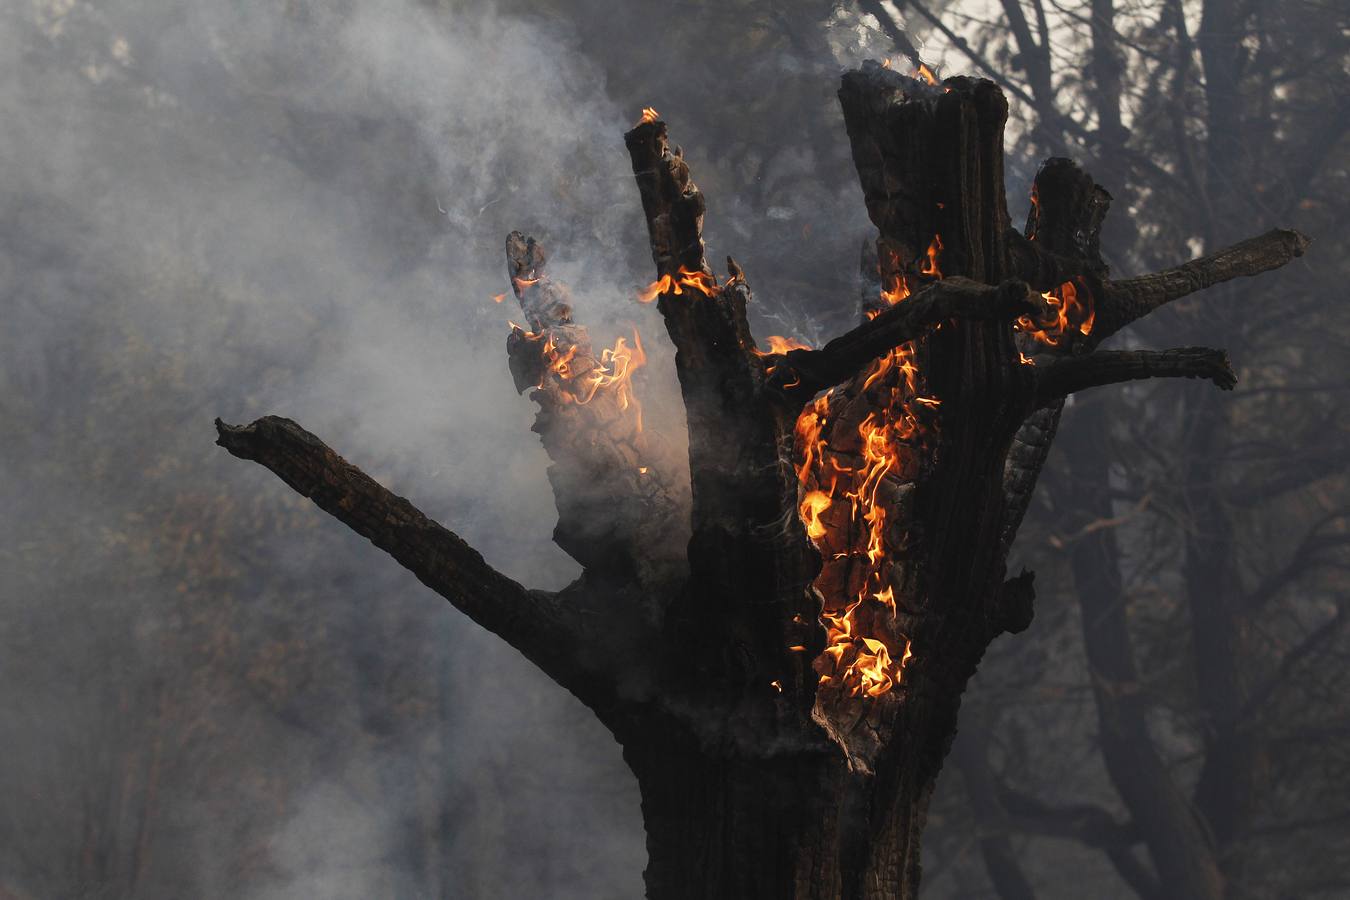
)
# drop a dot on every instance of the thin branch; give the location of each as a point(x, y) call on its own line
point(892, 29)
point(1104, 367)
point(1133, 298)
point(533, 622)
point(850, 353)
point(1306, 558)
point(1317, 639)
point(1088, 824)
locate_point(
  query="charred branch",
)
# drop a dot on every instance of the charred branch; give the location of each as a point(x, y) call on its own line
point(1068, 376)
point(747, 567)
point(615, 492)
point(848, 354)
point(1133, 298)
point(534, 622)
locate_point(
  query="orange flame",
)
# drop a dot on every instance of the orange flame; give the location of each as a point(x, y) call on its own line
point(649, 115)
point(934, 251)
point(779, 345)
point(498, 298)
point(927, 74)
point(899, 291)
point(693, 279)
point(812, 505)
point(1067, 312)
point(864, 656)
point(611, 376)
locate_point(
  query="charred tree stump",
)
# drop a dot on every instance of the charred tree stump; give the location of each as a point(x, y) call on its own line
point(784, 676)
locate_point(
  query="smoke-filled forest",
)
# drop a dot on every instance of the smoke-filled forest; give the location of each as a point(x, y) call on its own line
point(210, 689)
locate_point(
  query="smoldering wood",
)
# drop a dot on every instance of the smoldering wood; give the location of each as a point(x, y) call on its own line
point(619, 509)
point(756, 782)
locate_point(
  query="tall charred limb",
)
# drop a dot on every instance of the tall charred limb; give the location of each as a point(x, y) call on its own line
point(1062, 236)
point(1068, 376)
point(1133, 298)
point(747, 565)
point(534, 622)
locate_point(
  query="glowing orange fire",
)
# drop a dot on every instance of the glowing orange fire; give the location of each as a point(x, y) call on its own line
point(843, 505)
point(648, 115)
point(692, 279)
point(930, 267)
point(779, 345)
point(611, 375)
point(1069, 309)
point(927, 74)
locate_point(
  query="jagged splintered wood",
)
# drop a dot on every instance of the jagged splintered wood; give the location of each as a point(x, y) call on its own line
point(695, 632)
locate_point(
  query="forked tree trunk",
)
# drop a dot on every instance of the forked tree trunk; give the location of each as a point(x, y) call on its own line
point(786, 701)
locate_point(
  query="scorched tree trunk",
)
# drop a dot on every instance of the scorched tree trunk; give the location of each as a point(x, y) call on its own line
point(781, 649)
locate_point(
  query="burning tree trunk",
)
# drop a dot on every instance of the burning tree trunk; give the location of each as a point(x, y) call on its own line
point(785, 682)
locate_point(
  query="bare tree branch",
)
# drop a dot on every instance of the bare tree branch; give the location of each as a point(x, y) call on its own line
point(1104, 367)
point(534, 622)
point(1088, 824)
point(1306, 558)
point(1133, 298)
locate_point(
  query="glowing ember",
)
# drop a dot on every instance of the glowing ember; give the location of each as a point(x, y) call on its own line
point(812, 505)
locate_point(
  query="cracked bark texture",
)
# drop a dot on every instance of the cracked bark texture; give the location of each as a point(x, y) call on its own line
point(693, 630)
